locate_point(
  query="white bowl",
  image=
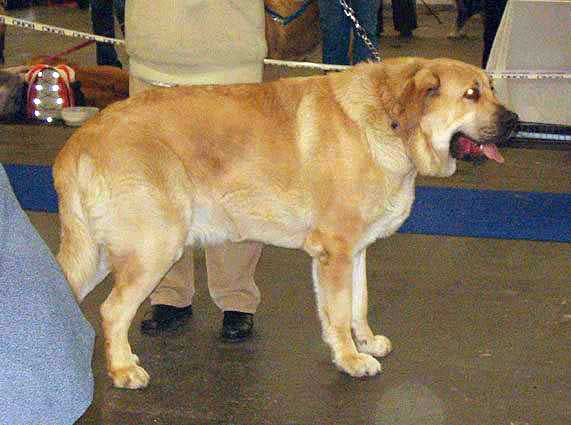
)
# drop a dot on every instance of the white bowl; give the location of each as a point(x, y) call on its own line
point(76, 115)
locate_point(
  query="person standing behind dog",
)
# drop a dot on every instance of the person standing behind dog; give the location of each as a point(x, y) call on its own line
point(493, 13)
point(2, 35)
point(186, 42)
point(465, 9)
point(336, 28)
point(103, 23)
point(404, 17)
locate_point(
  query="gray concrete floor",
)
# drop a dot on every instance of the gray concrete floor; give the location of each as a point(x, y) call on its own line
point(481, 327)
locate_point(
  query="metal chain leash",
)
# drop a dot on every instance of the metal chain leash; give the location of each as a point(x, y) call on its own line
point(361, 32)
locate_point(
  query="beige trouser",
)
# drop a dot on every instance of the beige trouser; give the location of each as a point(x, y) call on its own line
point(230, 269)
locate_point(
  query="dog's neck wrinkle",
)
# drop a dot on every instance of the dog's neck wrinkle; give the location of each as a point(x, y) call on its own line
point(388, 154)
point(349, 95)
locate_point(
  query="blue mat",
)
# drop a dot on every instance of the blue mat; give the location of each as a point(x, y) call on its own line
point(33, 186)
point(437, 211)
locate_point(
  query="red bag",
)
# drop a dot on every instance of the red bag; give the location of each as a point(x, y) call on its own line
point(49, 91)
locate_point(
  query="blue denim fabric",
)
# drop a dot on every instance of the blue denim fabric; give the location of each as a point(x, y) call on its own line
point(46, 344)
point(336, 28)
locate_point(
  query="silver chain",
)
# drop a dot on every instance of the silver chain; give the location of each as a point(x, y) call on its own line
point(361, 32)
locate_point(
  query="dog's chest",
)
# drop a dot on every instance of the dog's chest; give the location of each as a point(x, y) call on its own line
point(396, 211)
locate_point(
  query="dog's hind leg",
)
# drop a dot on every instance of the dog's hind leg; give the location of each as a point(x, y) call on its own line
point(332, 276)
point(367, 342)
point(137, 273)
point(80, 259)
point(100, 274)
point(80, 256)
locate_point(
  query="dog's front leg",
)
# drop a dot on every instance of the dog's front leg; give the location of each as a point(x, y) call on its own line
point(332, 277)
point(367, 342)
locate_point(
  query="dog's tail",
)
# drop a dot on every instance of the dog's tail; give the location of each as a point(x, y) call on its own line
point(80, 256)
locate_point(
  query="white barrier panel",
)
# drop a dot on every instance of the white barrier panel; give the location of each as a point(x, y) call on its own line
point(535, 35)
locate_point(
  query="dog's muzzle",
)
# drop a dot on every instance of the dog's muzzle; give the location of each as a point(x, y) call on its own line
point(465, 148)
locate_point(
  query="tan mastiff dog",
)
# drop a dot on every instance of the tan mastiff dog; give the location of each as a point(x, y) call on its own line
point(326, 164)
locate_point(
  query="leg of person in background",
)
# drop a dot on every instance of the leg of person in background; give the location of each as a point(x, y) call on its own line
point(231, 268)
point(404, 17)
point(103, 24)
point(380, 19)
point(2, 36)
point(336, 32)
point(465, 10)
point(119, 9)
point(231, 285)
point(172, 299)
point(493, 12)
point(461, 18)
point(367, 14)
point(474, 7)
point(2, 40)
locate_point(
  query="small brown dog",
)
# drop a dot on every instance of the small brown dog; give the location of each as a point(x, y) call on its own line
point(325, 164)
point(100, 85)
point(103, 85)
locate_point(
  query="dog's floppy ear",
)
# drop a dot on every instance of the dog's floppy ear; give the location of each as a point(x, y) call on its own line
point(426, 82)
point(409, 106)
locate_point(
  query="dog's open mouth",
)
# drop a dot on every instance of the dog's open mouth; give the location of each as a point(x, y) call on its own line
point(462, 147)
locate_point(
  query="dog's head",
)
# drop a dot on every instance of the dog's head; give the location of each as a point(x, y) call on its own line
point(440, 110)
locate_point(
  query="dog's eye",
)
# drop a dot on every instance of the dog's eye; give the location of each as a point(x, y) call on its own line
point(433, 91)
point(472, 93)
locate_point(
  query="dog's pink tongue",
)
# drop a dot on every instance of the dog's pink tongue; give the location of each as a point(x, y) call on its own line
point(492, 152)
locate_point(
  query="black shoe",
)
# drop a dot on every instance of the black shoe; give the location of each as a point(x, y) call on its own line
point(165, 318)
point(237, 326)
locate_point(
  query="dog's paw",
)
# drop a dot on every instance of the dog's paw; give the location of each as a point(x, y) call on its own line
point(378, 346)
point(359, 365)
point(132, 377)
